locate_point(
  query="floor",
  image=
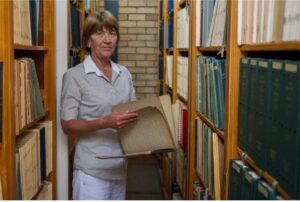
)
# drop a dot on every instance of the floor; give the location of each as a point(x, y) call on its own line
point(143, 181)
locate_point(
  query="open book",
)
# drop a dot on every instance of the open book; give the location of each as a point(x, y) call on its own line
point(152, 132)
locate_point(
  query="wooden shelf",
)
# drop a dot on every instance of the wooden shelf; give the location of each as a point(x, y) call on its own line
point(32, 123)
point(183, 49)
point(211, 125)
point(211, 49)
point(44, 58)
point(266, 176)
point(30, 48)
point(182, 99)
point(284, 46)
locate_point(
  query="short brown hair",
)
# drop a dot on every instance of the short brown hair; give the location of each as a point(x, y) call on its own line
point(97, 21)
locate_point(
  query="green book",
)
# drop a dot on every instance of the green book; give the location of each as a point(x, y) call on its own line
point(36, 92)
point(289, 120)
point(274, 133)
point(262, 103)
point(236, 173)
point(250, 179)
point(263, 191)
point(243, 103)
point(283, 151)
point(252, 107)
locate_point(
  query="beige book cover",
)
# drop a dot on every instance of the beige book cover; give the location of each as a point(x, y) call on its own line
point(152, 132)
point(1, 195)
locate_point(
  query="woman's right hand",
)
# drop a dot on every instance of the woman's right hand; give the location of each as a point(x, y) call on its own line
point(118, 120)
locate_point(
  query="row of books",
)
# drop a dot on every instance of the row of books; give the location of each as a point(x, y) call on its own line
point(205, 12)
point(200, 192)
point(268, 21)
point(170, 33)
point(217, 31)
point(245, 184)
point(90, 6)
point(209, 158)
point(76, 25)
point(170, 6)
point(183, 23)
point(169, 71)
point(210, 88)
point(161, 35)
point(27, 21)
point(181, 170)
point(33, 159)
point(180, 118)
point(28, 102)
point(269, 116)
point(75, 58)
point(161, 67)
point(182, 76)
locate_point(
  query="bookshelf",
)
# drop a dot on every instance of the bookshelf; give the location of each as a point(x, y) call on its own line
point(170, 165)
point(232, 50)
point(43, 56)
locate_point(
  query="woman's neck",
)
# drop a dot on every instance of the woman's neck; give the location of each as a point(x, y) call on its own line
point(101, 63)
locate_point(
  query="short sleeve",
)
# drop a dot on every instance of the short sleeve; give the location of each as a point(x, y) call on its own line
point(70, 97)
point(132, 90)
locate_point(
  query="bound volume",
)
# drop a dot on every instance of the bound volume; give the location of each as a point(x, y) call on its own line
point(153, 132)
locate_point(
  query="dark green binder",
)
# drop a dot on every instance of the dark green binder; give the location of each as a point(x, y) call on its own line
point(284, 141)
point(252, 108)
point(236, 173)
point(289, 120)
point(262, 103)
point(243, 104)
point(250, 179)
point(274, 133)
point(264, 191)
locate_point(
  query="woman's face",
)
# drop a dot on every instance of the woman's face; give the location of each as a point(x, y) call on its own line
point(103, 43)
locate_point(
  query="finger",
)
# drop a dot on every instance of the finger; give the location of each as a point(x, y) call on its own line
point(131, 115)
point(126, 121)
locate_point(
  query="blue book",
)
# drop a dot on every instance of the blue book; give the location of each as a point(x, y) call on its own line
point(170, 5)
point(75, 27)
point(161, 36)
point(170, 33)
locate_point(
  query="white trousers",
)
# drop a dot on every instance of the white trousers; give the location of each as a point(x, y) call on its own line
point(86, 187)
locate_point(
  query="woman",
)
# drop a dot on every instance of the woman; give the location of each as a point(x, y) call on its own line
point(89, 91)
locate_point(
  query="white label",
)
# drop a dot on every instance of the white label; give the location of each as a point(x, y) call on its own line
point(291, 67)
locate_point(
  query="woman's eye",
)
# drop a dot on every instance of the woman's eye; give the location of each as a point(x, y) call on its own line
point(113, 33)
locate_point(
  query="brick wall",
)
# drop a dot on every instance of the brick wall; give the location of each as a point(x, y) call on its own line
point(138, 46)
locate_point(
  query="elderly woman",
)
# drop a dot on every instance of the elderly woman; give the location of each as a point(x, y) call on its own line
point(89, 91)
